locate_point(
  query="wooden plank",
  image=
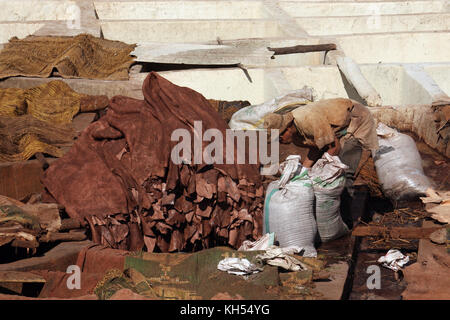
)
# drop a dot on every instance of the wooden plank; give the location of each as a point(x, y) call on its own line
point(27, 244)
point(303, 48)
point(428, 277)
point(57, 259)
point(5, 240)
point(63, 236)
point(69, 224)
point(21, 277)
point(333, 289)
point(394, 232)
point(248, 53)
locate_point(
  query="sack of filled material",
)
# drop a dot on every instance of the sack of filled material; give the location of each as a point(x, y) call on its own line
point(399, 166)
point(252, 117)
point(328, 179)
point(289, 208)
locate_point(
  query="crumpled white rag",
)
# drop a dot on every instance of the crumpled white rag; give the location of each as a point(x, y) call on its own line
point(261, 244)
point(238, 266)
point(394, 260)
point(280, 257)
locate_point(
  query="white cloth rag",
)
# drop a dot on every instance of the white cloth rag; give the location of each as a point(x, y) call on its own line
point(394, 260)
point(262, 243)
point(280, 257)
point(238, 266)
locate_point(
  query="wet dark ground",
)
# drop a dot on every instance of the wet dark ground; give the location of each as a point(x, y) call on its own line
point(10, 254)
point(368, 250)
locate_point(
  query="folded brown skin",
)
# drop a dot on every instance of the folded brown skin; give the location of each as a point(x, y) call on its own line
point(119, 179)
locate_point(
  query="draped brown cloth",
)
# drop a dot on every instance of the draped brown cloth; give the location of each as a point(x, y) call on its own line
point(318, 122)
point(119, 177)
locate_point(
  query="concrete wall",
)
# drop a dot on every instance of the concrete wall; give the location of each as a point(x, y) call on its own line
point(20, 30)
point(326, 80)
point(397, 47)
point(232, 84)
point(352, 8)
point(34, 10)
point(394, 85)
point(189, 31)
point(318, 26)
point(156, 10)
point(441, 75)
point(20, 18)
point(223, 84)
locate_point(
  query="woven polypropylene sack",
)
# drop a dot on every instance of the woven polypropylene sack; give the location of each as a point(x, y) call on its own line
point(328, 179)
point(289, 213)
point(399, 165)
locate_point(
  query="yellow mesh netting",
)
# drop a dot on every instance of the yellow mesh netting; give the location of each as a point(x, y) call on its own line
point(53, 102)
point(29, 145)
point(81, 56)
point(38, 119)
point(12, 102)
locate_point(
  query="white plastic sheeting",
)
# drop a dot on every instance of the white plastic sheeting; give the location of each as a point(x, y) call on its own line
point(252, 117)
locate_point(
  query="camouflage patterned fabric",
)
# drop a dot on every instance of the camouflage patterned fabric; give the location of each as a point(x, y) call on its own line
point(194, 276)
